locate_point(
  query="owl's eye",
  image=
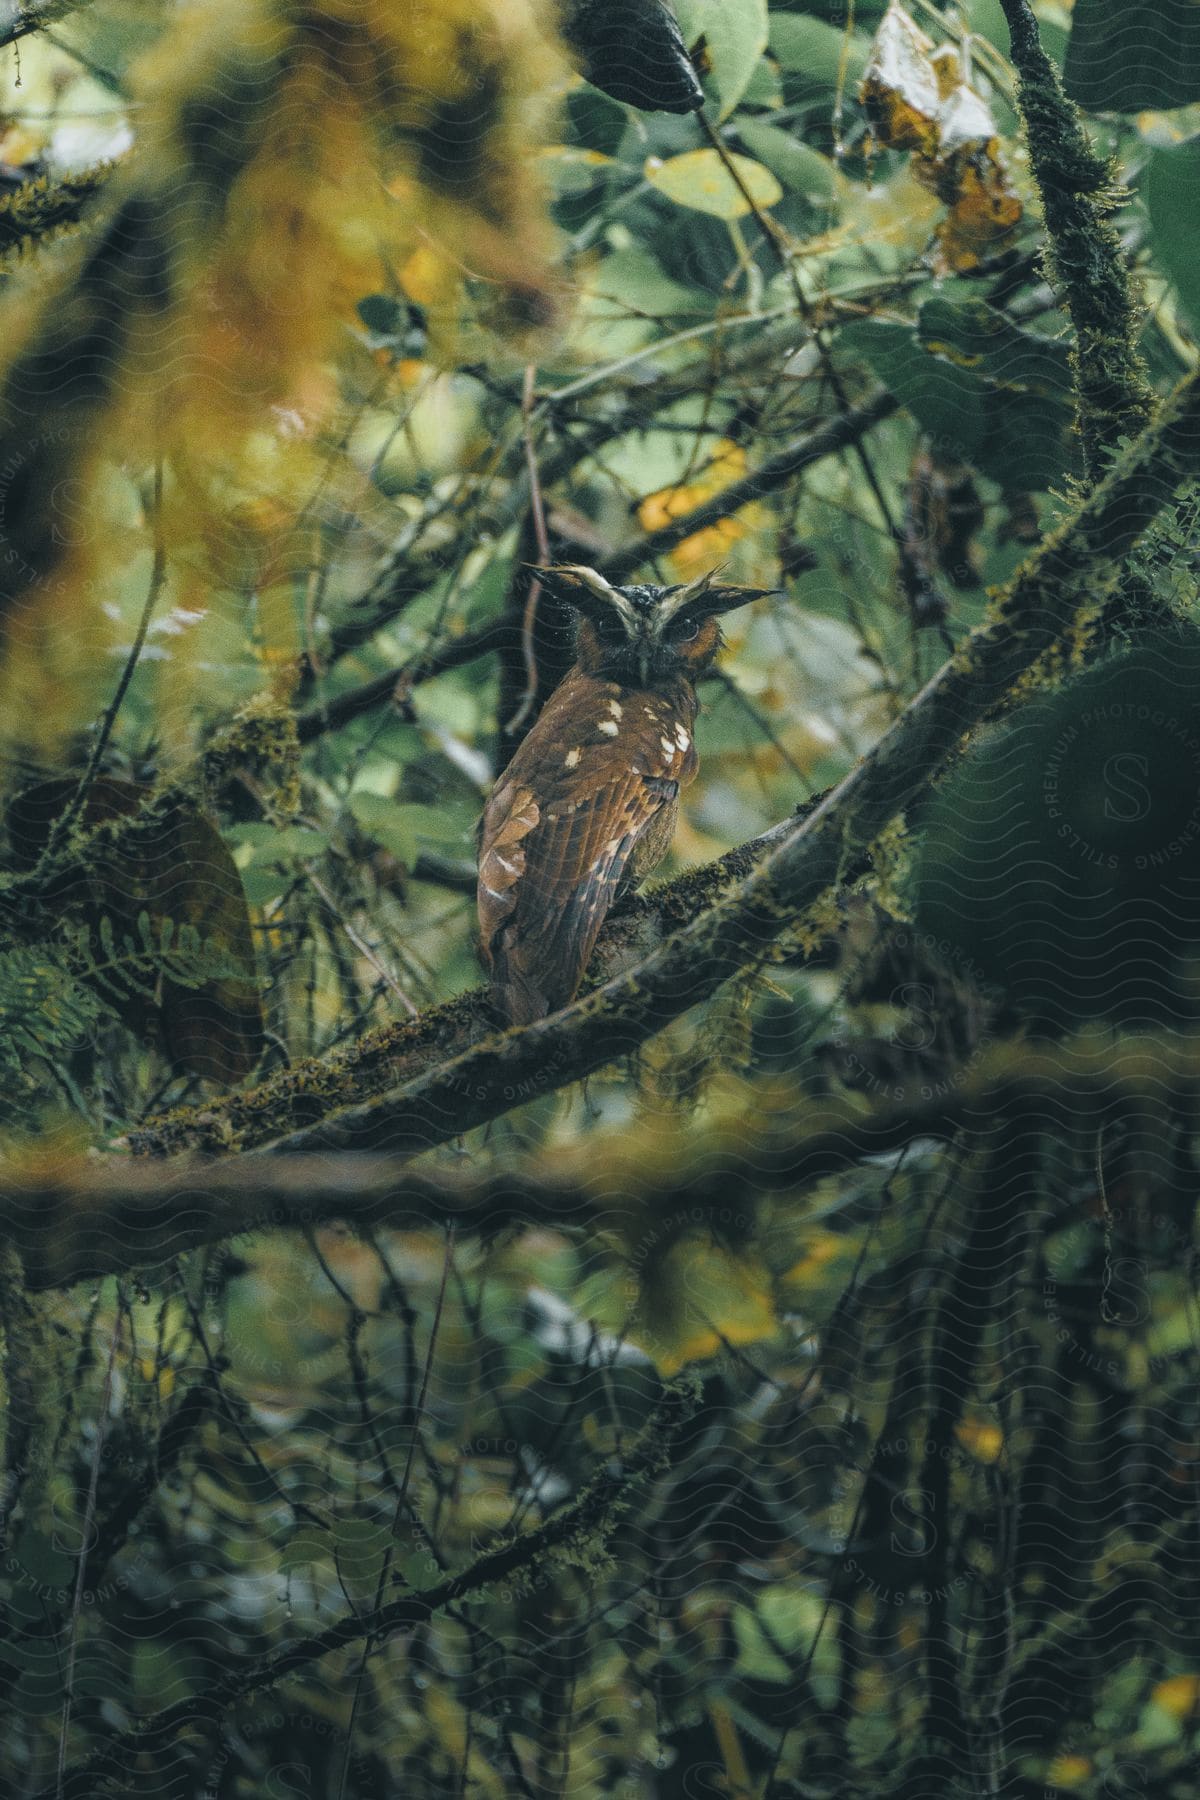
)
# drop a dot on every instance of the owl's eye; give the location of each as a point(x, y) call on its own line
point(686, 630)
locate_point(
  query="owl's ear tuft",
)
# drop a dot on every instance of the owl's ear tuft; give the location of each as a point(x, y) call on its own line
point(587, 591)
point(706, 597)
point(720, 598)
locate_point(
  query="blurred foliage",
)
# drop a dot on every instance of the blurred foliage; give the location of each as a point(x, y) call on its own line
point(309, 307)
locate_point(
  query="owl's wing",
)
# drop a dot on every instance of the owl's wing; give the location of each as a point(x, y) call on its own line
point(511, 814)
point(549, 870)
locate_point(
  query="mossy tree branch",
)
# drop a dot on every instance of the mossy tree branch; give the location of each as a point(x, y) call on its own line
point(22, 20)
point(42, 207)
point(390, 1054)
point(72, 1219)
point(1079, 191)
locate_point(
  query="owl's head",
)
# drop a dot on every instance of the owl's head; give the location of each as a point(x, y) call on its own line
point(641, 636)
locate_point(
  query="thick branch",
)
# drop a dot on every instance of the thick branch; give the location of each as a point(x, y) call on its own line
point(572, 1533)
point(1037, 610)
point(385, 1057)
point(18, 21)
point(80, 1219)
point(1079, 191)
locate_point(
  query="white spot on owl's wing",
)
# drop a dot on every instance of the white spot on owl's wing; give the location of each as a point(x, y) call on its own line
point(571, 759)
point(609, 727)
point(668, 747)
point(682, 739)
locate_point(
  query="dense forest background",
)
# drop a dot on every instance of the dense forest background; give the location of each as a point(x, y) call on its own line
point(774, 1375)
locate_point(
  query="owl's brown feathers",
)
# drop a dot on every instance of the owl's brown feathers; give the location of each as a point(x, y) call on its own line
point(589, 802)
point(579, 811)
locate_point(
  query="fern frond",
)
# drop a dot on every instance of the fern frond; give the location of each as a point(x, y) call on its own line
point(53, 997)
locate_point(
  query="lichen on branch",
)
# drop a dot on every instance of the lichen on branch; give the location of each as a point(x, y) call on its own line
point(1084, 257)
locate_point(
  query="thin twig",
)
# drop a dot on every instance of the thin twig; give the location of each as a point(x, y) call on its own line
point(385, 1567)
point(824, 440)
point(542, 539)
point(590, 1518)
point(89, 1513)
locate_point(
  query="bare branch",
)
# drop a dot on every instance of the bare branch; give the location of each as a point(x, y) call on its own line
point(571, 1534)
point(396, 684)
point(836, 434)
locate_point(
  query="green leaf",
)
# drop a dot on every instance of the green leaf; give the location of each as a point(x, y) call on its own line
point(276, 844)
point(812, 51)
point(800, 168)
point(1172, 185)
point(307, 1544)
point(39, 1692)
point(1133, 55)
point(987, 393)
point(262, 884)
point(764, 88)
point(700, 180)
point(394, 824)
point(735, 36)
point(44, 1562)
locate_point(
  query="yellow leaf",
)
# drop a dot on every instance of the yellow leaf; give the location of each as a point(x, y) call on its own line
point(1177, 1695)
point(983, 1440)
point(1068, 1771)
point(699, 179)
point(704, 548)
point(697, 1298)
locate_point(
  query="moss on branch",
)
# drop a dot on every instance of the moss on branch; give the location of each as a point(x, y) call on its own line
point(77, 1218)
point(1080, 191)
point(389, 1055)
point(42, 209)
